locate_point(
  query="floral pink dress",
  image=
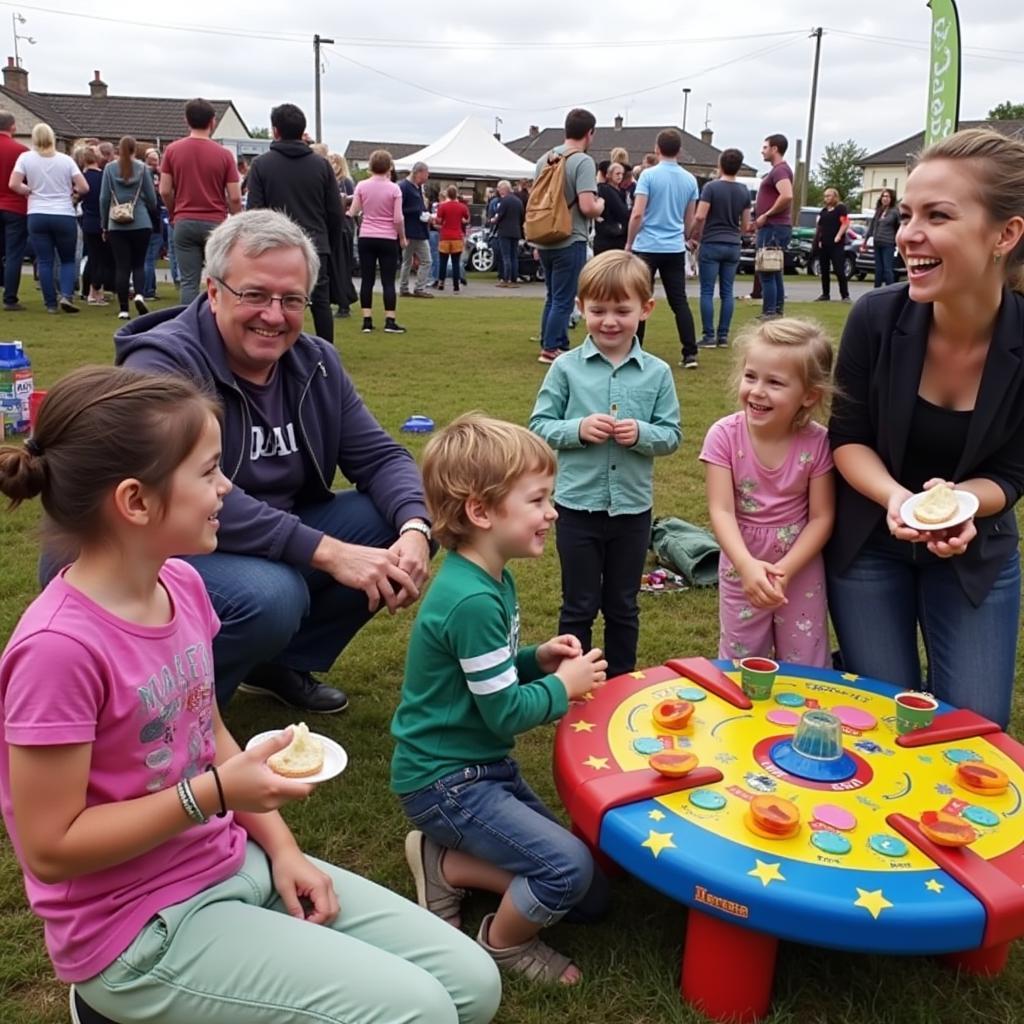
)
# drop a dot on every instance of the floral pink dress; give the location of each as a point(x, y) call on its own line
point(771, 510)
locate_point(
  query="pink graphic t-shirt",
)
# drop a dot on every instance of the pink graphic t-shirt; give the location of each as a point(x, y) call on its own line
point(143, 697)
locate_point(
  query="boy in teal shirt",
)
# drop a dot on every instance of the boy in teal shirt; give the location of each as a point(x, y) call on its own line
point(469, 689)
point(609, 409)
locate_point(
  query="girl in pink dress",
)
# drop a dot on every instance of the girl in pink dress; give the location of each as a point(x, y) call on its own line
point(771, 496)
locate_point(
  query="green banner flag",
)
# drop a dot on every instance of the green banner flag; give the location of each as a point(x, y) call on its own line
point(943, 72)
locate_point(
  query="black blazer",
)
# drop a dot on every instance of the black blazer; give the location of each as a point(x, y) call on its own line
point(610, 230)
point(878, 373)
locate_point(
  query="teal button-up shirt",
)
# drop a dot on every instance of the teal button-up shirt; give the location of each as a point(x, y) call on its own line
point(607, 477)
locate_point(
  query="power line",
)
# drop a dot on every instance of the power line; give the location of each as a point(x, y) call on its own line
point(975, 53)
point(562, 106)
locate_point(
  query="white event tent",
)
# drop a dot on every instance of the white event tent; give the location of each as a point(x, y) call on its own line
point(469, 150)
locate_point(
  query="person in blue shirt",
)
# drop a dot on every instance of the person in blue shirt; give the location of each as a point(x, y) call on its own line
point(607, 408)
point(664, 207)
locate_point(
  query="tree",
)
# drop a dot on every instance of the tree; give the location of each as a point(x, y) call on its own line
point(259, 133)
point(1007, 111)
point(840, 168)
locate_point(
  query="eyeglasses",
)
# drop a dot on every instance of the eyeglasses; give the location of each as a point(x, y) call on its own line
point(257, 298)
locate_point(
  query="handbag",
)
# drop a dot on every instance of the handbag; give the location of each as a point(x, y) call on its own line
point(769, 259)
point(124, 213)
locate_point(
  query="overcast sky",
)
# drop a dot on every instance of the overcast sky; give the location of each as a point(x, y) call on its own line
point(401, 71)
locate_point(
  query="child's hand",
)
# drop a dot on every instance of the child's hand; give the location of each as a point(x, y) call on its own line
point(760, 581)
point(551, 654)
point(626, 432)
point(581, 674)
point(250, 784)
point(596, 428)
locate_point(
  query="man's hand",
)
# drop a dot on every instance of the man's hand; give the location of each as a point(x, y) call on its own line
point(596, 428)
point(626, 432)
point(413, 550)
point(375, 571)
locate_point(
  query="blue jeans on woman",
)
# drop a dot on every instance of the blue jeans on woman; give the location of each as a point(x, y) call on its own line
point(773, 293)
point(489, 812)
point(884, 257)
point(891, 589)
point(156, 242)
point(47, 232)
point(718, 262)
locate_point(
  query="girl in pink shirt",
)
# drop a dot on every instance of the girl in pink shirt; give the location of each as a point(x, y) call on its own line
point(169, 887)
point(771, 496)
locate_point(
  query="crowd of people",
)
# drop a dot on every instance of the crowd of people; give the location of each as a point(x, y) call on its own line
point(197, 547)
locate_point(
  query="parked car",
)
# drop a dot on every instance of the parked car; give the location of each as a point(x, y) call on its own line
point(866, 262)
point(854, 240)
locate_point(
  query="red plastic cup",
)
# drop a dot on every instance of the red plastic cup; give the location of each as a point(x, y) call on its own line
point(35, 400)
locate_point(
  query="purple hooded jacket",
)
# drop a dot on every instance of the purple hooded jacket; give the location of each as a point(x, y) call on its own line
point(336, 430)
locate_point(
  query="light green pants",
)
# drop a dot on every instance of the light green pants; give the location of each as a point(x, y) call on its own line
point(232, 955)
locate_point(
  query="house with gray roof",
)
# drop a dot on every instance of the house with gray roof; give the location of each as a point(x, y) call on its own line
point(889, 167)
point(153, 121)
point(357, 152)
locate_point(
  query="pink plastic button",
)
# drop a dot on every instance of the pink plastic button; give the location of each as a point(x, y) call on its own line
point(835, 817)
point(783, 718)
point(855, 718)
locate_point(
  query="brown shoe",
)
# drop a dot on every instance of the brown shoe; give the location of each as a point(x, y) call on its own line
point(433, 892)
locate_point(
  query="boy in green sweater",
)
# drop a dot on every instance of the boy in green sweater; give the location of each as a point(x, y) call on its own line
point(470, 688)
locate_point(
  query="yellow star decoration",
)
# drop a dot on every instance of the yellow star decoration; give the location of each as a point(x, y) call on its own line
point(656, 815)
point(638, 675)
point(588, 696)
point(873, 902)
point(597, 763)
point(767, 872)
point(851, 676)
point(582, 726)
point(933, 885)
point(658, 841)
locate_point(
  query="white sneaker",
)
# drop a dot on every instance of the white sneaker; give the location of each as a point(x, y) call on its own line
point(124, 315)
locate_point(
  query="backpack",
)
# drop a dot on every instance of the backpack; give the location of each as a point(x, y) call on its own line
point(548, 220)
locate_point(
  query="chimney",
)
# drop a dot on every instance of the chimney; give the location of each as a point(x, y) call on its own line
point(97, 87)
point(706, 136)
point(497, 135)
point(534, 131)
point(15, 77)
point(618, 122)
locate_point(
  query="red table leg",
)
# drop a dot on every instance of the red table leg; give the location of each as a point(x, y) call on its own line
point(985, 962)
point(727, 970)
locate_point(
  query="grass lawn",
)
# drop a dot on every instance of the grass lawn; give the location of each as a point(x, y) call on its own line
point(460, 354)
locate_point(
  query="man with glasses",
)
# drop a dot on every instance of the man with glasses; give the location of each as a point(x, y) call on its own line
point(299, 568)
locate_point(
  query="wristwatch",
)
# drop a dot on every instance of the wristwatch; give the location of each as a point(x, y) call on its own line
point(415, 524)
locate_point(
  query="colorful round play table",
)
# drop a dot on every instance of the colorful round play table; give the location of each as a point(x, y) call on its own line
point(858, 874)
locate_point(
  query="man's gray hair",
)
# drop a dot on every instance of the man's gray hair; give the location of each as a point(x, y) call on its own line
point(419, 166)
point(257, 232)
point(6, 121)
point(505, 184)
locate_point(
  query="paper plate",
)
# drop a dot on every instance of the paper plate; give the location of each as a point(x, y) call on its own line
point(967, 505)
point(335, 758)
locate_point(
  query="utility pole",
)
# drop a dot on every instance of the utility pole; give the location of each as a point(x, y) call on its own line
point(317, 41)
point(686, 103)
point(810, 121)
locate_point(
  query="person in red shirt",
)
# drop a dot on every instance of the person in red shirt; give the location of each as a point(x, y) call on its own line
point(199, 185)
point(13, 214)
point(452, 218)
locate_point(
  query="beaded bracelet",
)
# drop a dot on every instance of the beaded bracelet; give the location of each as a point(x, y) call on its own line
point(211, 767)
point(189, 803)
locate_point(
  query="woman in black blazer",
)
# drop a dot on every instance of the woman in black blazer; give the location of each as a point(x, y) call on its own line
point(610, 227)
point(931, 387)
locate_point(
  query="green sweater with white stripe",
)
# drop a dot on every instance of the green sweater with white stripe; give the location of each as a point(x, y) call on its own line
point(469, 689)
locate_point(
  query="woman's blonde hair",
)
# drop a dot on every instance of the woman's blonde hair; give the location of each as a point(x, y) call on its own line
point(339, 164)
point(476, 457)
point(997, 163)
point(809, 347)
point(619, 155)
point(43, 139)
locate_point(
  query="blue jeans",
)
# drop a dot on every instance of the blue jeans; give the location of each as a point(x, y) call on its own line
point(435, 267)
point(156, 242)
point(293, 616)
point(561, 275)
point(489, 812)
point(884, 257)
point(15, 239)
point(47, 232)
point(718, 262)
point(891, 589)
point(773, 293)
point(509, 249)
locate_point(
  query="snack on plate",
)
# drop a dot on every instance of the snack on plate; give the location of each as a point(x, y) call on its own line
point(938, 505)
point(302, 757)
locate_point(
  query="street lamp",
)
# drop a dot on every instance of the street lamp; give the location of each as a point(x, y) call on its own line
point(686, 103)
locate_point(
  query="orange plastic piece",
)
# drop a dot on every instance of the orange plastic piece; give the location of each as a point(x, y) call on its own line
point(982, 778)
point(947, 829)
point(773, 817)
point(673, 763)
point(672, 714)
